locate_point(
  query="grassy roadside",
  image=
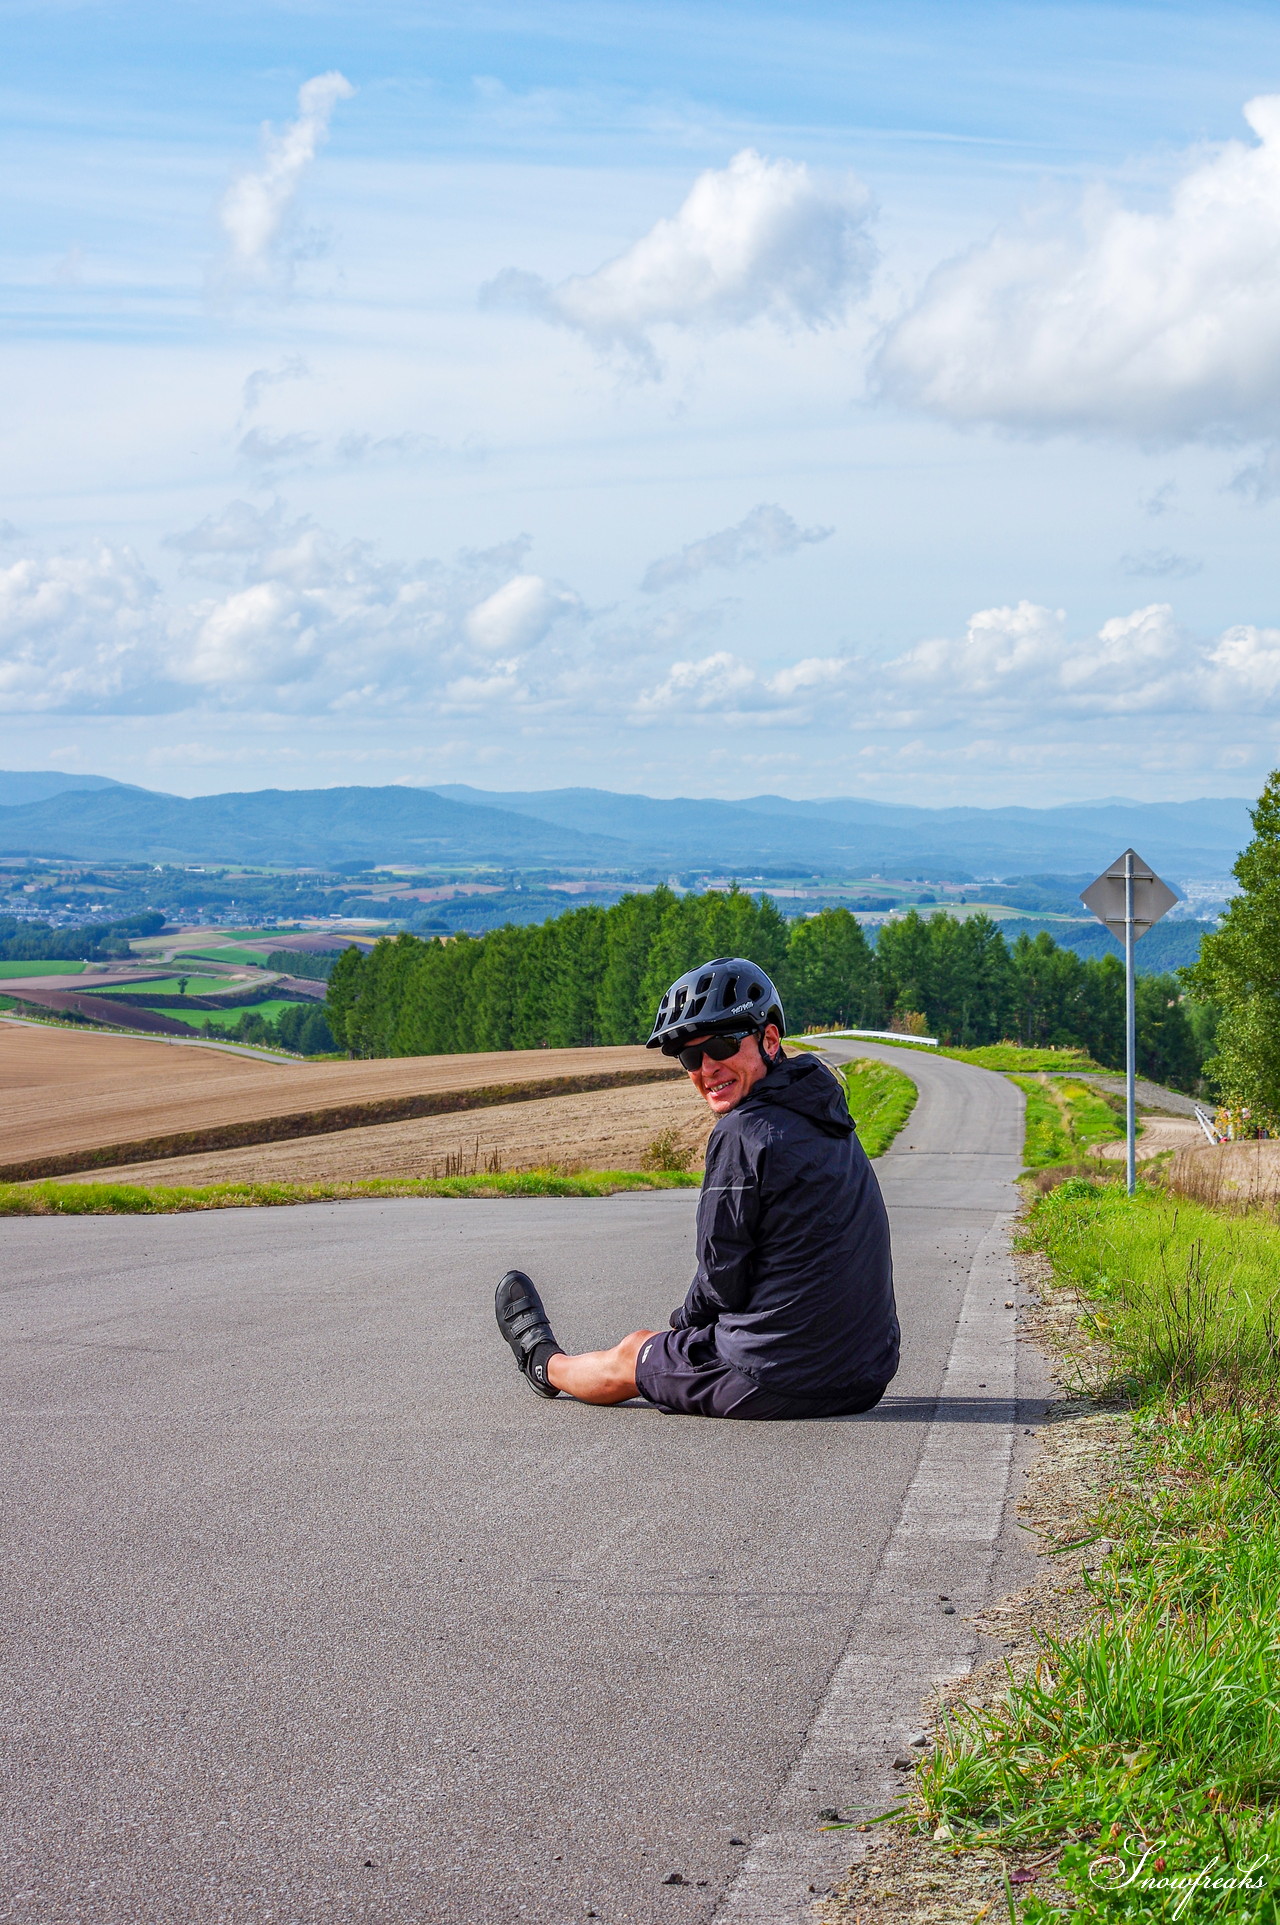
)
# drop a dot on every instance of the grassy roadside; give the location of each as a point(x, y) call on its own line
point(881, 1099)
point(1065, 1120)
point(1130, 1769)
point(133, 1199)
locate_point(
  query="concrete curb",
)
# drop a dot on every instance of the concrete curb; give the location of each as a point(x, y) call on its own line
point(905, 1641)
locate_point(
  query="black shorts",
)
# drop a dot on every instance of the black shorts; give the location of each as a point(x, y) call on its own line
point(678, 1370)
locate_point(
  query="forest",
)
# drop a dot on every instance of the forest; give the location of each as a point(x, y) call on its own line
point(595, 975)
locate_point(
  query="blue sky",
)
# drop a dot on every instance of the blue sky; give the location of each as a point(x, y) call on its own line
point(870, 399)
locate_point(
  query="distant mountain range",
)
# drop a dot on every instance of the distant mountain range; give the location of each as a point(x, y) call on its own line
point(91, 818)
point(36, 785)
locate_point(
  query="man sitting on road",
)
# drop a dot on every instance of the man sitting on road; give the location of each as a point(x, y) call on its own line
point(791, 1313)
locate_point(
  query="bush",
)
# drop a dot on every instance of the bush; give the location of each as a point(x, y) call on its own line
point(667, 1152)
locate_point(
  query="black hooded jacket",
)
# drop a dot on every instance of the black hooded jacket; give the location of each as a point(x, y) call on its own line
point(794, 1269)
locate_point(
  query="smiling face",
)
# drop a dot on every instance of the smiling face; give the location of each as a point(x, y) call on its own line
point(724, 1085)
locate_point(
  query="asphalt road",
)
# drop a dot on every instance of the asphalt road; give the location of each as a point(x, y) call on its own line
point(314, 1613)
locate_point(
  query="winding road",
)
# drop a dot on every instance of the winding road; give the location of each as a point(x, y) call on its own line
point(312, 1613)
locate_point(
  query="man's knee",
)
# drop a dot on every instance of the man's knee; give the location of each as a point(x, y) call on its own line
point(621, 1361)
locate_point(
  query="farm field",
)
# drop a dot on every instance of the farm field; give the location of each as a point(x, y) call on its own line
point(172, 986)
point(67, 1094)
point(10, 970)
point(599, 1130)
point(228, 1018)
point(227, 952)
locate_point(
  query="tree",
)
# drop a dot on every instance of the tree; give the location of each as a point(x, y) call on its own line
point(1167, 1050)
point(1239, 970)
point(832, 971)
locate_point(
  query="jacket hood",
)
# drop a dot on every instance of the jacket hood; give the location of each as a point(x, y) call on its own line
point(806, 1085)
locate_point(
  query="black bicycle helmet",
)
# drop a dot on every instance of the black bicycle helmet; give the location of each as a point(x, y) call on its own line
point(729, 993)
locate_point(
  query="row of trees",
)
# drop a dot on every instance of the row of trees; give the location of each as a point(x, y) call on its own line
point(23, 940)
point(596, 976)
point(302, 1027)
point(1239, 971)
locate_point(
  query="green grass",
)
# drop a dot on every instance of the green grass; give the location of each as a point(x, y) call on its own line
point(230, 954)
point(228, 1018)
point(132, 1199)
point(170, 986)
point(881, 1099)
point(1011, 1058)
point(8, 969)
point(1159, 1726)
point(1064, 1120)
point(1187, 1297)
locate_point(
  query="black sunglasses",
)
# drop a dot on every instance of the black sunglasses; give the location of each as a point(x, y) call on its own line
point(719, 1048)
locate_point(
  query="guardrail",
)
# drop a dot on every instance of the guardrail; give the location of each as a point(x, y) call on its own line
point(868, 1035)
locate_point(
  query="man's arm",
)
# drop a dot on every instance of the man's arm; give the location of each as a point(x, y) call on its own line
point(728, 1217)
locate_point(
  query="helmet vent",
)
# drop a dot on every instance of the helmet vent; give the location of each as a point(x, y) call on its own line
point(681, 998)
point(695, 1008)
point(704, 984)
point(755, 992)
point(729, 993)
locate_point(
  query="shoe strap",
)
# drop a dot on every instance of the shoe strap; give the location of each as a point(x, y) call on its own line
point(526, 1320)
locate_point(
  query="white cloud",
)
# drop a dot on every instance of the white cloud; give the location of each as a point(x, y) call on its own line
point(757, 240)
point(1248, 660)
point(724, 686)
point(1160, 325)
point(767, 531)
point(77, 631)
point(254, 210)
point(518, 615)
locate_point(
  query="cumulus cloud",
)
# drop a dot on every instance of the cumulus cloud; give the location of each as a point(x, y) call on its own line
point(767, 531)
point(756, 240)
point(1015, 673)
point(254, 210)
point(1020, 666)
point(289, 619)
point(724, 686)
point(518, 615)
point(77, 631)
point(1159, 325)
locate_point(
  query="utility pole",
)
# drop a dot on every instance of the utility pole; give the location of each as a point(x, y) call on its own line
point(1129, 897)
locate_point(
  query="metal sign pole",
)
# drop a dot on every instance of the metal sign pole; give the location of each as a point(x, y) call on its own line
point(1129, 897)
point(1130, 1031)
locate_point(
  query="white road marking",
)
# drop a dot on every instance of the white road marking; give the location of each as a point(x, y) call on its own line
point(903, 1644)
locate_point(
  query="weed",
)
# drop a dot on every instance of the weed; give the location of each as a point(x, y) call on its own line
point(667, 1152)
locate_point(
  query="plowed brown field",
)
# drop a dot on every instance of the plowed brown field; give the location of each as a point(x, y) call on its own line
point(90, 1100)
point(604, 1130)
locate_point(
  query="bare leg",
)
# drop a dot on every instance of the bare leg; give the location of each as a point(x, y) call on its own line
point(600, 1376)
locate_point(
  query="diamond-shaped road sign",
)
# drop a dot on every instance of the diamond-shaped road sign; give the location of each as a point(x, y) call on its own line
point(1106, 897)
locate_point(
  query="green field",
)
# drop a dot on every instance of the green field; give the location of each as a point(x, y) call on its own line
point(228, 1018)
point(229, 954)
point(172, 986)
point(8, 969)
